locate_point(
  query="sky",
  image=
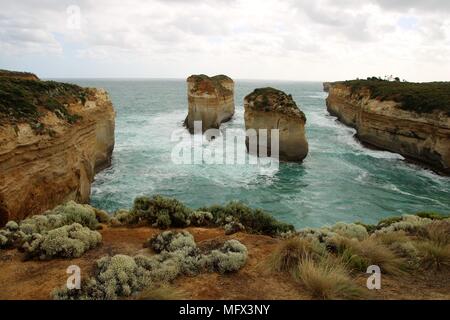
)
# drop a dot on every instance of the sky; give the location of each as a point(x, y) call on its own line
point(321, 40)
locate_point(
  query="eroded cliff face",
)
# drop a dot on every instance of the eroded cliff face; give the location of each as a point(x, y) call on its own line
point(423, 137)
point(211, 100)
point(270, 109)
point(41, 169)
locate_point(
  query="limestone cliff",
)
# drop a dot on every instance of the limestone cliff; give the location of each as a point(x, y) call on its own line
point(53, 138)
point(269, 109)
point(211, 100)
point(387, 124)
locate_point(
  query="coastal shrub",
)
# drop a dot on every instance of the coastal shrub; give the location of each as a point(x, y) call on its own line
point(327, 280)
point(101, 216)
point(122, 275)
point(12, 226)
point(231, 257)
point(22, 100)
point(432, 215)
point(172, 241)
point(65, 214)
point(233, 227)
point(201, 218)
point(69, 241)
point(254, 220)
point(150, 209)
point(117, 276)
point(122, 216)
point(417, 97)
point(3, 241)
point(408, 223)
point(350, 230)
point(289, 253)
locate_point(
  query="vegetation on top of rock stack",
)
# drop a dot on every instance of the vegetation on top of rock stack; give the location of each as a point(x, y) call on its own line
point(417, 97)
point(210, 84)
point(18, 74)
point(271, 99)
point(23, 99)
point(163, 212)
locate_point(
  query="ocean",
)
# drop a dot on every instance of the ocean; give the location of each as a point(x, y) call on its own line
point(340, 180)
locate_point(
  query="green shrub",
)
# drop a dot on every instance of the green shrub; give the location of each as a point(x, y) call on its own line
point(172, 241)
point(150, 209)
point(69, 241)
point(201, 218)
point(254, 220)
point(231, 257)
point(350, 230)
point(65, 214)
point(417, 97)
point(123, 275)
point(117, 276)
point(22, 99)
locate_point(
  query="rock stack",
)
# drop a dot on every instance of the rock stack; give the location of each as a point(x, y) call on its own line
point(211, 100)
point(269, 109)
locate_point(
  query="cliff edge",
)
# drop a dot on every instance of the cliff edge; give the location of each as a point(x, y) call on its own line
point(412, 119)
point(53, 138)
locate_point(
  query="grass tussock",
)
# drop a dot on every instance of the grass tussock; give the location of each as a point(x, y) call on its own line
point(289, 254)
point(438, 232)
point(358, 255)
point(327, 280)
point(433, 255)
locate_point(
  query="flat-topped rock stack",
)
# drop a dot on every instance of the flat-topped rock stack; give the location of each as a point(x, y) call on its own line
point(269, 108)
point(211, 100)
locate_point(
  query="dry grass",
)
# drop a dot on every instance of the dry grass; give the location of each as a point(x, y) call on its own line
point(361, 254)
point(288, 255)
point(438, 232)
point(392, 237)
point(327, 280)
point(162, 292)
point(434, 255)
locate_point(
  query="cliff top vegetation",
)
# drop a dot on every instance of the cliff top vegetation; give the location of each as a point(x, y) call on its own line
point(23, 99)
point(271, 99)
point(418, 97)
point(210, 85)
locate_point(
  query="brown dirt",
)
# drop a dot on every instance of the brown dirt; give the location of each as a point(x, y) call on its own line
point(36, 279)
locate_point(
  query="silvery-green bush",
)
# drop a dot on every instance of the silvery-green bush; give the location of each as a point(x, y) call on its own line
point(69, 241)
point(178, 254)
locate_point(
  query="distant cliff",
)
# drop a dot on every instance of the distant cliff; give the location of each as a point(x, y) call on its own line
point(53, 138)
point(269, 108)
point(407, 118)
point(211, 100)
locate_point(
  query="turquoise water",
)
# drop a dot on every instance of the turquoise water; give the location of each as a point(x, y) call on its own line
point(340, 180)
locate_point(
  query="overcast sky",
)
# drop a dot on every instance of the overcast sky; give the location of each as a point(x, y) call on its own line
point(245, 39)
